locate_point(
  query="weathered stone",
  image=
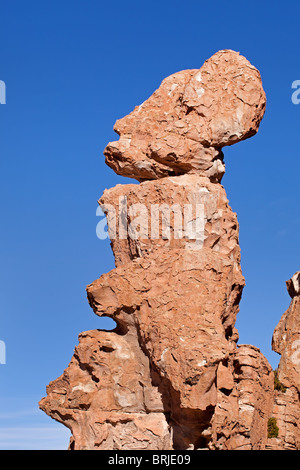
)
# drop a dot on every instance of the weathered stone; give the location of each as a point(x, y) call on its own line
point(293, 285)
point(171, 376)
point(286, 342)
point(105, 396)
point(184, 125)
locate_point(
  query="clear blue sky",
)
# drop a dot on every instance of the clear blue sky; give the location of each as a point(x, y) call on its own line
point(71, 69)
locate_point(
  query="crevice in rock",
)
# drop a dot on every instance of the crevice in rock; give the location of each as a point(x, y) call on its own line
point(186, 425)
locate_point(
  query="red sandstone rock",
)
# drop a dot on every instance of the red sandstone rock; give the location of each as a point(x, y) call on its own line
point(106, 398)
point(293, 285)
point(286, 342)
point(183, 126)
point(170, 376)
point(244, 401)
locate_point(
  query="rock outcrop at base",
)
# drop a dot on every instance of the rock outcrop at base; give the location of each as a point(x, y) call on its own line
point(171, 375)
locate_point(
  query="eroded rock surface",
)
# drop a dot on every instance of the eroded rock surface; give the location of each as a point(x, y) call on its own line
point(171, 376)
point(244, 401)
point(186, 122)
point(106, 398)
point(286, 342)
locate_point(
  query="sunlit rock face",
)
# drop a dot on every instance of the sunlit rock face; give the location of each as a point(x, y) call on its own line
point(171, 375)
point(286, 342)
point(185, 124)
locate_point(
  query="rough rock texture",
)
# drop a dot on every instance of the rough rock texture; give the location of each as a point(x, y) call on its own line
point(106, 397)
point(286, 342)
point(244, 401)
point(186, 122)
point(171, 376)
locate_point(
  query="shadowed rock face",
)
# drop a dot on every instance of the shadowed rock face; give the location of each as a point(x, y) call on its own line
point(171, 376)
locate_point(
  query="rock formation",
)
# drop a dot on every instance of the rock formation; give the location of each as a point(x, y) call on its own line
point(171, 375)
point(286, 342)
point(183, 126)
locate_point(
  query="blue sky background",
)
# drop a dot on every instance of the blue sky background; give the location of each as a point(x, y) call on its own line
point(71, 69)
